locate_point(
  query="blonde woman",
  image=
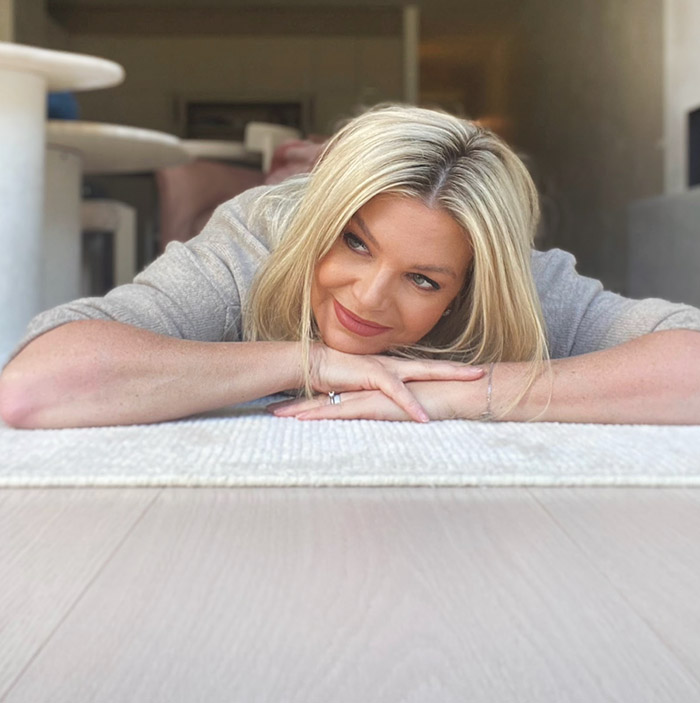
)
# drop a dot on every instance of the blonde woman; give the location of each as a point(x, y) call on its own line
point(397, 281)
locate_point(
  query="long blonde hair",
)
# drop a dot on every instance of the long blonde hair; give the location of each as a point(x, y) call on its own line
point(444, 162)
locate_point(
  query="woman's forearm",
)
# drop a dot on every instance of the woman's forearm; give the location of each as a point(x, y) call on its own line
point(654, 379)
point(102, 373)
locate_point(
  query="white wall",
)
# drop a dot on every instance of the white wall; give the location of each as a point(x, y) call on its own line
point(682, 86)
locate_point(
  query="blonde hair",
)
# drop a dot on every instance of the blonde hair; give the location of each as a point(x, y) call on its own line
point(447, 163)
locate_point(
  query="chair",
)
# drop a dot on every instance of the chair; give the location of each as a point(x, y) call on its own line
point(293, 157)
point(265, 137)
point(104, 215)
point(189, 194)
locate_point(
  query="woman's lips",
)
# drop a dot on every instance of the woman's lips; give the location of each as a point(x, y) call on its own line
point(357, 324)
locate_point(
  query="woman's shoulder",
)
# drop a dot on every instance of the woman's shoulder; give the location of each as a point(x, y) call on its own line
point(552, 262)
point(581, 316)
point(239, 216)
point(257, 215)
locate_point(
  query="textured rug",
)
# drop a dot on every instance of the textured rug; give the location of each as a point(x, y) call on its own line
point(245, 446)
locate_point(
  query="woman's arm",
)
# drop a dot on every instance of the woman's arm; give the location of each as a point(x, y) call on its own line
point(654, 379)
point(97, 372)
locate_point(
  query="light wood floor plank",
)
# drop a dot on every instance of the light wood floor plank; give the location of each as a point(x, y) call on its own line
point(52, 544)
point(647, 542)
point(352, 595)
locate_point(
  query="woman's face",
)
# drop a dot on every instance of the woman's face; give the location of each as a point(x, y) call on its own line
point(393, 271)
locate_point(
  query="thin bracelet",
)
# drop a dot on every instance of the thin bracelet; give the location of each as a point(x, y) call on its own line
point(487, 415)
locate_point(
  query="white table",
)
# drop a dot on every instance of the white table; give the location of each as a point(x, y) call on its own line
point(26, 74)
point(75, 148)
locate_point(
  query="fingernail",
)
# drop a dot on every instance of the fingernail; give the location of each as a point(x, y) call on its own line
point(423, 416)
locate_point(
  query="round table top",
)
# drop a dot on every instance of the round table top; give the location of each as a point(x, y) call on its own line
point(62, 70)
point(109, 148)
point(222, 150)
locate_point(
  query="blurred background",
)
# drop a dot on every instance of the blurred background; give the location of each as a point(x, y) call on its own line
point(596, 95)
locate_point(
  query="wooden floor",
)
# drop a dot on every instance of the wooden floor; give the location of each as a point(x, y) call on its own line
point(357, 595)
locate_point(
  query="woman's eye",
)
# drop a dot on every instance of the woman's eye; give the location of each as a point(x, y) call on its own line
point(424, 282)
point(354, 242)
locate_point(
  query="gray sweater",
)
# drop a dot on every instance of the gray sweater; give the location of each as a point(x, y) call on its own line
point(194, 291)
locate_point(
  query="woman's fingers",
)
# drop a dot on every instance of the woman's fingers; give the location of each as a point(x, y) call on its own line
point(340, 372)
point(397, 391)
point(292, 408)
point(431, 370)
point(398, 371)
point(365, 405)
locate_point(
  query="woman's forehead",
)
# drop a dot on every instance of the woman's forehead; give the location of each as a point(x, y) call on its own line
point(413, 228)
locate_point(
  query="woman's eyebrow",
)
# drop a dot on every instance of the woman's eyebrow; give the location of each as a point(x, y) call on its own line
point(428, 269)
point(436, 269)
point(365, 229)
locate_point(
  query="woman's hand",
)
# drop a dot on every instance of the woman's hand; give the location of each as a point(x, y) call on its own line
point(442, 400)
point(332, 370)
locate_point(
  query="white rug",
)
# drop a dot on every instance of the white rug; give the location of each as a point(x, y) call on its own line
point(245, 446)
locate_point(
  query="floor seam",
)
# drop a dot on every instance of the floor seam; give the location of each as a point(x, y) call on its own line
point(659, 636)
point(79, 597)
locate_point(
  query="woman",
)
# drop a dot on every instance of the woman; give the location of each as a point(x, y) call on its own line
point(397, 282)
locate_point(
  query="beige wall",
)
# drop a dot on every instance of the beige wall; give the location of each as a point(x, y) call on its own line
point(30, 22)
point(581, 83)
point(682, 86)
point(334, 59)
point(587, 99)
point(7, 22)
point(27, 22)
point(335, 72)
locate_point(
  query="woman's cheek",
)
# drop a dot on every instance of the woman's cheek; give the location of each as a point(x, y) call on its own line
point(332, 270)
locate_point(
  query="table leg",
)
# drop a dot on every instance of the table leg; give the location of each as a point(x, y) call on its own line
point(62, 227)
point(22, 138)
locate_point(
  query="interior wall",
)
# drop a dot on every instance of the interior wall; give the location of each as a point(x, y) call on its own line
point(336, 73)
point(237, 55)
point(587, 100)
point(682, 86)
point(467, 73)
point(578, 87)
point(56, 37)
point(7, 21)
point(30, 22)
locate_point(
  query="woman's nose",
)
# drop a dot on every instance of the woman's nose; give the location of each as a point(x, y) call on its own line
point(373, 289)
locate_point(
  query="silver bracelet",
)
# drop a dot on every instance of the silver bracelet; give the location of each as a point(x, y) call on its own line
point(487, 415)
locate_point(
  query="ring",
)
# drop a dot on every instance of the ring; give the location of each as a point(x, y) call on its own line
point(334, 398)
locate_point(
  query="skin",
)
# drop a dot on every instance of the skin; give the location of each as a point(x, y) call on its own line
point(654, 379)
point(97, 372)
point(399, 264)
point(371, 271)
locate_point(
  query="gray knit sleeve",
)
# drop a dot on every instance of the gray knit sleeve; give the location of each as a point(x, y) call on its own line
point(581, 317)
point(192, 291)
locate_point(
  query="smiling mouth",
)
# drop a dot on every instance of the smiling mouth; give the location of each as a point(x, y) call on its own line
point(356, 324)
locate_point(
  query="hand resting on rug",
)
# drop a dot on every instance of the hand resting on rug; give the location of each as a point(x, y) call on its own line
point(396, 281)
point(632, 377)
